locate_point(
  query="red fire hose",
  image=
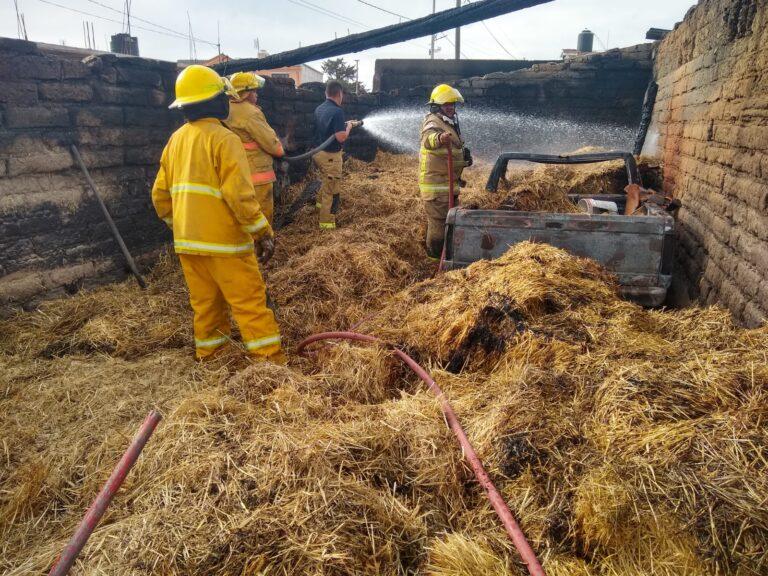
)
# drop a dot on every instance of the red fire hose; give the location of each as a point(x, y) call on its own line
point(99, 506)
point(498, 503)
point(451, 200)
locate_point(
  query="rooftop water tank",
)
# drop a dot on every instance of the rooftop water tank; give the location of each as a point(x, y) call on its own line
point(586, 38)
point(124, 44)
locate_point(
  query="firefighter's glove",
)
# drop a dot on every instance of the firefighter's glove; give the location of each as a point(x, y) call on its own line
point(468, 161)
point(266, 249)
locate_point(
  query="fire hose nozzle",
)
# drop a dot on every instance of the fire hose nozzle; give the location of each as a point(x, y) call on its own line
point(355, 123)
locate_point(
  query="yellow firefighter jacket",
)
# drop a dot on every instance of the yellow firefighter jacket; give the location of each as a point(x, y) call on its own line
point(433, 168)
point(259, 140)
point(203, 191)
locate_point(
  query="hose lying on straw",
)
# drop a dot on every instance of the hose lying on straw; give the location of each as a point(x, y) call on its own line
point(498, 503)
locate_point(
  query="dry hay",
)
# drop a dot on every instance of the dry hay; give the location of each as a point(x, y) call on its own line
point(545, 187)
point(626, 441)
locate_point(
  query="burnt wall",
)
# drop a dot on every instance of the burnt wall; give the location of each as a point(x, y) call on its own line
point(404, 73)
point(606, 87)
point(710, 129)
point(53, 239)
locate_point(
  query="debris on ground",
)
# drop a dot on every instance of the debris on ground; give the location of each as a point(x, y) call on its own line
point(626, 441)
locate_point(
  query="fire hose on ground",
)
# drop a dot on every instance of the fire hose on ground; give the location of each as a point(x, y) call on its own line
point(101, 502)
point(495, 498)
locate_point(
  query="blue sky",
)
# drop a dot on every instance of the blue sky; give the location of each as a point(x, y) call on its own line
point(535, 33)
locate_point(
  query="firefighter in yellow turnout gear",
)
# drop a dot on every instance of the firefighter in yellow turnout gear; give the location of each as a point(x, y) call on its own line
point(440, 127)
point(261, 144)
point(203, 190)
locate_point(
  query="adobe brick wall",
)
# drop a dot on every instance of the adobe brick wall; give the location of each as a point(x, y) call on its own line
point(604, 87)
point(398, 74)
point(53, 239)
point(710, 129)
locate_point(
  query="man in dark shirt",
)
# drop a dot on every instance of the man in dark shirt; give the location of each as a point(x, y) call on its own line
point(329, 121)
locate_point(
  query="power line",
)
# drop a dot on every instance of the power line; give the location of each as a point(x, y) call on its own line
point(497, 40)
point(384, 10)
point(336, 15)
point(134, 17)
point(493, 35)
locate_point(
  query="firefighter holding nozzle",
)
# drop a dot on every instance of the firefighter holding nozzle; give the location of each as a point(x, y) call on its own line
point(439, 129)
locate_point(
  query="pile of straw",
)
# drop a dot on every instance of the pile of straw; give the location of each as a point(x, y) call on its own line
point(545, 187)
point(625, 441)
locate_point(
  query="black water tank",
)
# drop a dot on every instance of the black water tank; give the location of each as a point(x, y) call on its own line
point(124, 44)
point(586, 38)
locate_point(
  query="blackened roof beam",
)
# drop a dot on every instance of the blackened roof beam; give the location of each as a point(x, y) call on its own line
point(426, 26)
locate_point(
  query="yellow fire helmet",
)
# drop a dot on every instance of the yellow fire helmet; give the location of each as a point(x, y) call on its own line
point(242, 81)
point(445, 94)
point(197, 84)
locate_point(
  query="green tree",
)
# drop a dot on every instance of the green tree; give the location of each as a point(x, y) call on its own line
point(338, 69)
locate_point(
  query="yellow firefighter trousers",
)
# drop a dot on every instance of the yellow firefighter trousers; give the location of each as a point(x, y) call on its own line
point(215, 282)
point(330, 165)
point(265, 199)
point(435, 211)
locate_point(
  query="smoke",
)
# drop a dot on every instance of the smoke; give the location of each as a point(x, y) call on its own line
point(490, 132)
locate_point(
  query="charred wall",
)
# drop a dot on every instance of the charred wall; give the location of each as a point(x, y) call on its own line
point(53, 239)
point(605, 87)
point(710, 129)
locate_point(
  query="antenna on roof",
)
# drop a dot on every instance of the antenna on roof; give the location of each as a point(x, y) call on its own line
point(192, 45)
point(127, 16)
point(218, 37)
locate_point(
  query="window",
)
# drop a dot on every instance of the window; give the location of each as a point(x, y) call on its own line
point(280, 75)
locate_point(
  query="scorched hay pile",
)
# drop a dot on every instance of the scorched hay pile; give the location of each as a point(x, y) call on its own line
point(625, 441)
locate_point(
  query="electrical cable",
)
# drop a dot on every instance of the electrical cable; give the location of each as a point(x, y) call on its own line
point(84, 13)
point(133, 17)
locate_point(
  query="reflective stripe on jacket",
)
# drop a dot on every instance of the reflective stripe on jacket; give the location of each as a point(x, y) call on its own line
point(259, 139)
point(433, 164)
point(203, 191)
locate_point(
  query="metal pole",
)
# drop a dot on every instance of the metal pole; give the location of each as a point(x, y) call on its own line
point(458, 36)
point(99, 506)
point(111, 223)
point(432, 46)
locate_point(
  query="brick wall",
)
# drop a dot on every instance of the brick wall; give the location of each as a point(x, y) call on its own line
point(403, 73)
point(604, 87)
point(710, 129)
point(53, 239)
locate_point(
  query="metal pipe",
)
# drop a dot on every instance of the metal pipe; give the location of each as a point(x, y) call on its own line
point(99, 506)
point(498, 503)
point(111, 223)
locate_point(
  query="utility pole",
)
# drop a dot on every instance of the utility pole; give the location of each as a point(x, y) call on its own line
point(357, 76)
point(432, 46)
point(458, 36)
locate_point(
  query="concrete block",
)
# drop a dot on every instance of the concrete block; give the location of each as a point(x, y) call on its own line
point(18, 92)
point(153, 117)
point(41, 161)
point(100, 116)
point(74, 70)
point(121, 95)
point(12, 45)
point(61, 92)
point(29, 66)
point(138, 76)
point(143, 155)
point(37, 117)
